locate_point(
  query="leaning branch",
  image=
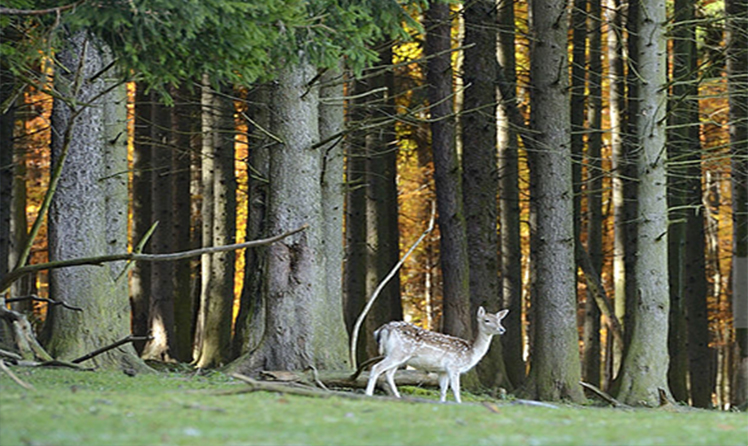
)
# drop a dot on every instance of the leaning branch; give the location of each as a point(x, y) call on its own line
point(360, 320)
point(20, 272)
point(123, 341)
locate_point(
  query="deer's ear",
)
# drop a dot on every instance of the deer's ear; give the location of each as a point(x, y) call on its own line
point(481, 312)
point(502, 314)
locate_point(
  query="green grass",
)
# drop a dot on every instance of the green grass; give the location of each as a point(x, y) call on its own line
point(108, 408)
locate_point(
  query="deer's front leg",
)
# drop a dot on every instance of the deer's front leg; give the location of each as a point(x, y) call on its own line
point(443, 386)
point(454, 378)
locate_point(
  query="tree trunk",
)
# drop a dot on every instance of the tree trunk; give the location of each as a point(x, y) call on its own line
point(646, 361)
point(355, 294)
point(382, 235)
point(7, 123)
point(250, 320)
point(81, 210)
point(140, 282)
point(509, 209)
point(331, 125)
point(555, 371)
point(737, 73)
point(480, 175)
point(185, 123)
point(213, 338)
point(688, 265)
point(447, 176)
point(591, 352)
point(303, 326)
point(161, 302)
point(617, 96)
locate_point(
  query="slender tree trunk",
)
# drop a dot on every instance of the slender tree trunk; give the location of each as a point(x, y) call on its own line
point(480, 174)
point(577, 109)
point(7, 118)
point(509, 209)
point(591, 352)
point(140, 282)
point(555, 372)
point(737, 69)
point(447, 176)
point(250, 320)
point(331, 125)
point(213, 341)
point(382, 234)
point(617, 95)
point(81, 210)
point(303, 326)
point(355, 293)
point(161, 302)
point(646, 361)
point(185, 123)
point(687, 266)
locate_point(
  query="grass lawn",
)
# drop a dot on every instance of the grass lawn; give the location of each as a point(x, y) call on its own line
point(110, 408)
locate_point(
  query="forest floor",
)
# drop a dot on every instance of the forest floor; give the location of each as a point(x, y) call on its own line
point(69, 407)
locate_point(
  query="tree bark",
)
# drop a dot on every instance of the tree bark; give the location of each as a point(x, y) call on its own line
point(555, 371)
point(447, 175)
point(509, 209)
point(646, 361)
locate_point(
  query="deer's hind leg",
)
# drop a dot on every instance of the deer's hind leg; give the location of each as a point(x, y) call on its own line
point(389, 366)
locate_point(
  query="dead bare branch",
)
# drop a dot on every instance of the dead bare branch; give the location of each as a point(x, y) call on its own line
point(14, 275)
point(14, 377)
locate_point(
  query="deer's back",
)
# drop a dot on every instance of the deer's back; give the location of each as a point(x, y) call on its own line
point(421, 348)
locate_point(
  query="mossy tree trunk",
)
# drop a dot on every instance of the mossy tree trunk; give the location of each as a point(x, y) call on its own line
point(303, 324)
point(89, 210)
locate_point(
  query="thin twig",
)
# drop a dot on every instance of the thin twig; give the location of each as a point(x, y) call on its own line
point(35, 298)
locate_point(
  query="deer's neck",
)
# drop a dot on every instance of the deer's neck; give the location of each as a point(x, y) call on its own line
point(480, 347)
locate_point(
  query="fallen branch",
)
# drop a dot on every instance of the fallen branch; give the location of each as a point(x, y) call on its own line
point(125, 340)
point(14, 377)
point(360, 320)
point(607, 398)
point(14, 275)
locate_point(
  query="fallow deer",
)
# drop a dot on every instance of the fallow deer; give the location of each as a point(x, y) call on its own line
point(403, 343)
